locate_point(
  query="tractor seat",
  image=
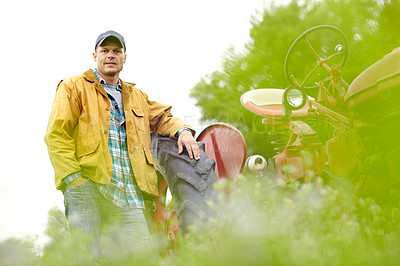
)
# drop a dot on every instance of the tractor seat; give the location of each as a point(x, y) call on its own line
point(268, 103)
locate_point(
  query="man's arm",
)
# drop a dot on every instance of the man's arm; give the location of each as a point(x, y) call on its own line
point(164, 123)
point(60, 144)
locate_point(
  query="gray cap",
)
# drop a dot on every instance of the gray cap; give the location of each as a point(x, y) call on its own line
point(107, 34)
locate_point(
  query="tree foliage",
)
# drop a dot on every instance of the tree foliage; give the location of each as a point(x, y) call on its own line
point(14, 251)
point(371, 29)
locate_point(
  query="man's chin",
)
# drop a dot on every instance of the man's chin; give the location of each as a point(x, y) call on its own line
point(111, 72)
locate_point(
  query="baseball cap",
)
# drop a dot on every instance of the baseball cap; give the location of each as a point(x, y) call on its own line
point(108, 34)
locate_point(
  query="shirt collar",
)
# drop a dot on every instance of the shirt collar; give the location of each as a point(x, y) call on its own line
point(103, 82)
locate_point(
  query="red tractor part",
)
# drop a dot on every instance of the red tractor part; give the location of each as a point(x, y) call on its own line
point(226, 145)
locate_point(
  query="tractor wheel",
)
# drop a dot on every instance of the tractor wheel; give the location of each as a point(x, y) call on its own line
point(190, 181)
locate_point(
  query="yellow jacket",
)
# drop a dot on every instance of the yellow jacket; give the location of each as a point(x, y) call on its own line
point(77, 132)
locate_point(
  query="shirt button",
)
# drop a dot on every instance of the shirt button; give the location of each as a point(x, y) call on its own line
point(105, 131)
point(107, 108)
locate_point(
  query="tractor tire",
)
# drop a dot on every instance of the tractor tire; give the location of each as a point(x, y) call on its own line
point(190, 181)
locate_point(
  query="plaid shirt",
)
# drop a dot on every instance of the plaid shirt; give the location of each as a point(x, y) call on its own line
point(122, 190)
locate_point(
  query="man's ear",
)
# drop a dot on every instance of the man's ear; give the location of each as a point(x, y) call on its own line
point(94, 56)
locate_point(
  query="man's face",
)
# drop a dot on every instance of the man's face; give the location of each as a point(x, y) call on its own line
point(110, 59)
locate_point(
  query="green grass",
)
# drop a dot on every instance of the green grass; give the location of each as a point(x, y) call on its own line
point(261, 222)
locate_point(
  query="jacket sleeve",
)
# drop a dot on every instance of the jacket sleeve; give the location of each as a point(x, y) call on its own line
point(162, 121)
point(63, 119)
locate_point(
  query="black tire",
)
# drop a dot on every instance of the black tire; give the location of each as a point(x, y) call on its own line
point(190, 181)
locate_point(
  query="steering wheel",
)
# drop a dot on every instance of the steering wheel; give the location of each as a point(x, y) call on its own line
point(332, 49)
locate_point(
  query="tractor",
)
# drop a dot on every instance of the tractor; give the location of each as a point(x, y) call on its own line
point(321, 127)
point(334, 130)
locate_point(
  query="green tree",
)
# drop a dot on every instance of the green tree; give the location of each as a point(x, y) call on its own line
point(371, 29)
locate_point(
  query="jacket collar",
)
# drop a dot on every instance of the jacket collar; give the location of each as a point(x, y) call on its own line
point(91, 77)
point(103, 82)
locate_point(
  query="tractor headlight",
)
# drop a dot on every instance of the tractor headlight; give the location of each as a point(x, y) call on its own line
point(256, 164)
point(294, 98)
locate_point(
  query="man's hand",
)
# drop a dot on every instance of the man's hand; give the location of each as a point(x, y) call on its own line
point(186, 139)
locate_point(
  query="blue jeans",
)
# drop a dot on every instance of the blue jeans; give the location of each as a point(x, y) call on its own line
point(102, 227)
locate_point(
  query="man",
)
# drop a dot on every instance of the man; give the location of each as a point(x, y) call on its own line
point(98, 139)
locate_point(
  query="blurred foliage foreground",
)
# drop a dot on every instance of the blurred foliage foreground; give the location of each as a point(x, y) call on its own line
point(256, 222)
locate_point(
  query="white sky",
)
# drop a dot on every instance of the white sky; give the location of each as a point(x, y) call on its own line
point(170, 46)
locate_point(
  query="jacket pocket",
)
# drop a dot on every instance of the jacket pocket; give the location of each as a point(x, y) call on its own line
point(139, 118)
point(149, 157)
point(87, 136)
point(91, 160)
point(86, 147)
